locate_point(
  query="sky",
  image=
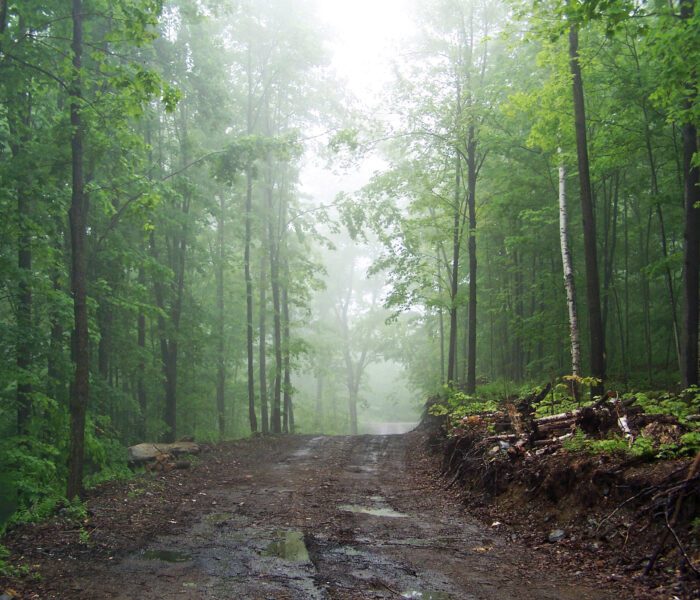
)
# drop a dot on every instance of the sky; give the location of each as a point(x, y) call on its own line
point(364, 39)
point(365, 36)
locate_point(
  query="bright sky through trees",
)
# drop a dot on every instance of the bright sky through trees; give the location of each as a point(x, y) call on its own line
point(365, 35)
point(365, 38)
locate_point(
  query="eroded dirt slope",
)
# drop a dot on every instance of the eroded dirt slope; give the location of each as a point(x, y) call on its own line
point(303, 517)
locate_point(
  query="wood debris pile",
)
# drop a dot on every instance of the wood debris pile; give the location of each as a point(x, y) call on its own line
point(515, 431)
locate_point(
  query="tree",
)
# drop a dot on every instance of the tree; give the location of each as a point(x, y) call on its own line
point(595, 320)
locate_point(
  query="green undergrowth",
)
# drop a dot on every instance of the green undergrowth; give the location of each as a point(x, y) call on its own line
point(641, 447)
point(456, 405)
point(33, 472)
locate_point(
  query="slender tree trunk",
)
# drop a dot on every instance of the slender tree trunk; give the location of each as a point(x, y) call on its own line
point(471, 186)
point(517, 343)
point(626, 360)
point(441, 319)
point(569, 280)
point(276, 416)
point(171, 363)
point(595, 320)
point(246, 258)
point(276, 421)
point(318, 416)
point(141, 376)
point(691, 248)
point(78, 226)
point(454, 277)
point(691, 259)
point(610, 247)
point(352, 408)
point(221, 345)
point(286, 351)
point(646, 293)
point(262, 342)
point(249, 299)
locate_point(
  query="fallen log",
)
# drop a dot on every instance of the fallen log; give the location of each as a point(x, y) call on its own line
point(144, 453)
point(565, 416)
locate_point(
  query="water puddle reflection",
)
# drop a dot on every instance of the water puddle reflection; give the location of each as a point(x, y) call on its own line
point(375, 512)
point(171, 556)
point(288, 545)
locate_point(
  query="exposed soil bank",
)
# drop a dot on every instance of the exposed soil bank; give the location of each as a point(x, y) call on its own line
point(295, 517)
point(603, 514)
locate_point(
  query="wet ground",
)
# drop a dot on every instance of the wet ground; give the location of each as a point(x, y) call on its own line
point(322, 517)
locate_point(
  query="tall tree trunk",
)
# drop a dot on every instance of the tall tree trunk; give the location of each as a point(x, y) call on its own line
point(471, 187)
point(569, 281)
point(276, 420)
point(318, 416)
point(441, 319)
point(221, 345)
point(352, 407)
point(691, 234)
point(691, 259)
point(286, 351)
point(180, 243)
point(78, 226)
point(610, 244)
point(595, 320)
point(454, 276)
point(517, 342)
point(141, 375)
point(262, 343)
point(249, 299)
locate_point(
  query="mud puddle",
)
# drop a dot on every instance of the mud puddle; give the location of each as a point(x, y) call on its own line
point(375, 512)
point(290, 519)
point(170, 556)
point(288, 545)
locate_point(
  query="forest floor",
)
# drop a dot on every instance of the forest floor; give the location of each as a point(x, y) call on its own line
point(299, 518)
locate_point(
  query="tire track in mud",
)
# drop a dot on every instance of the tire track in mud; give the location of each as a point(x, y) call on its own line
point(330, 517)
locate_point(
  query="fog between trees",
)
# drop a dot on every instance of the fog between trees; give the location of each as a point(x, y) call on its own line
point(176, 264)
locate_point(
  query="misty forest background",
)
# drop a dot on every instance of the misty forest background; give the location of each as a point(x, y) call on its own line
point(165, 273)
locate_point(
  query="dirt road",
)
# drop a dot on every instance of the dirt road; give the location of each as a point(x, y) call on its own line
point(324, 517)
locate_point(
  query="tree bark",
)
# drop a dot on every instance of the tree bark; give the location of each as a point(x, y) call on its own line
point(286, 351)
point(276, 415)
point(691, 235)
point(220, 308)
point(441, 319)
point(569, 281)
point(252, 419)
point(597, 335)
point(691, 259)
point(141, 376)
point(262, 342)
point(471, 187)
point(454, 277)
point(78, 226)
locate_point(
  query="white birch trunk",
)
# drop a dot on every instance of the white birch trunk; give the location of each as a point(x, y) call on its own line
point(569, 283)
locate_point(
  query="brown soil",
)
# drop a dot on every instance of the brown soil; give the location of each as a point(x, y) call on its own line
point(297, 517)
point(612, 509)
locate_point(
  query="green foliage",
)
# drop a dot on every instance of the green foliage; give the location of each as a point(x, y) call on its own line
point(457, 405)
point(9, 570)
point(680, 405)
point(690, 443)
point(641, 447)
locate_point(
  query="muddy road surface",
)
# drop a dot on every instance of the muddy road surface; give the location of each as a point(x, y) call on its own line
point(323, 517)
